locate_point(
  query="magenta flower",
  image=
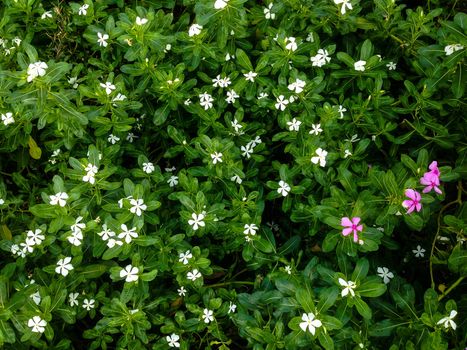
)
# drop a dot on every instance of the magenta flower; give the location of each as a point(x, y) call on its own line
point(434, 168)
point(351, 226)
point(413, 203)
point(431, 181)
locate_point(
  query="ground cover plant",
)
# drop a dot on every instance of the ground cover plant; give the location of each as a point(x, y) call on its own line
point(233, 174)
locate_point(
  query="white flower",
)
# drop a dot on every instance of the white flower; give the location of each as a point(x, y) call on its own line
point(231, 96)
point(64, 266)
point(345, 3)
point(247, 151)
point(141, 21)
point(36, 69)
point(349, 287)
point(35, 237)
point(310, 38)
point(77, 226)
point(236, 179)
point(2, 201)
point(102, 39)
point(173, 181)
point(281, 102)
point(59, 198)
point(216, 157)
point(341, 110)
point(220, 4)
point(391, 66)
point(419, 252)
point(184, 257)
point(236, 125)
point(268, 14)
point(262, 95)
point(75, 238)
point(193, 275)
point(17, 41)
point(316, 129)
point(172, 340)
point(89, 177)
point(106, 233)
point(37, 324)
point(108, 86)
point(36, 297)
point(73, 299)
point(385, 274)
point(83, 10)
point(359, 66)
point(130, 273)
point(88, 304)
point(208, 316)
point(320, 158)
point(232, 308)
point(73, 81)
point(347, 153)
point(27, 247)
point(113, 139)
point(195, 29)
point(450, 49)
point(130, 137)
point(148, 167)
point(205, 100)
point(137, 206)
point(291, 44)
point(284, 188)
point(447, 321)
point(187, 102)
point(250, 229)
point(288, 269)
point(127, 234)
point(196, 221)
point(113, 242)
point(321, 58)
point(297, 86)
point(119, 97)
point(7, 118)
point(46, 14)
point(294, 125)
point(181, 291)
point(310, 322)
point(250, 76)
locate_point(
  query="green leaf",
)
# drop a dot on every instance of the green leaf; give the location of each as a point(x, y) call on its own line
point(361, 269)
point(304, 297)
point(68, 107)
point(326, 341)
point(330, 241)
point(362, 308)
point(371, 287)
point(367, 50)
point(414, 221)
point(243, 60)
point(160, 115)
point(459, 82)
point(290, 246)
point(94, 271)
point(457, 261)
point(45, 211)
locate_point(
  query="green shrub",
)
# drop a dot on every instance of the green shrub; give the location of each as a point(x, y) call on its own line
point(232, 174)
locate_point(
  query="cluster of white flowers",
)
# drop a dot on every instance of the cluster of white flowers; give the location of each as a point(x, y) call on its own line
point(321, 58)
point(221, 82)
point(109, 236)
point(91, 171)
point(4, 45)
point(205, 100)
point(77, 232)
point(33, 239)
point(248, 149)
point(88, 304)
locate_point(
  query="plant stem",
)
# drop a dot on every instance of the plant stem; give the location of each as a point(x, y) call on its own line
point(454, 285)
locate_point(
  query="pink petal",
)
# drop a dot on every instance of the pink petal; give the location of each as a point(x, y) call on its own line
point(407, 203)
point(425, 180)
point(411, 209)
point(437, 190)
point(356, 220)
point(418, 206)
point(360, 228)
point(355, 237)
point(434, 168)
point(410, 193)
point(347, 231)
point(427, 189)
point(346, 222)
point(418, 196)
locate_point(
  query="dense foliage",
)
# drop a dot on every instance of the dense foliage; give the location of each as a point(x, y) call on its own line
point(233, 174)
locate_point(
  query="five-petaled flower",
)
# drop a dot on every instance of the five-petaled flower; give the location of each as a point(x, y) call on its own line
point(284, 188)
point(232, 308)
point(413, 203)
point(148, 167)
point(291, 44)
point(321, 58)
point(345, 4)
point(59, 199)
point(193, 275)
point(73, 299)
point(268, 14)
point(184, 257)
point(208, 316)
point(181, 291)
point(294, 125)
point(250, 76)
point(250, 229)
point(282, 102)
point(36, 69)
point(220, 4)
point(195, 29)
point(391, 66)
point(310, 323)
point(351, 227)
point(108, 86)
point(64, 266)
point(37, 324)
point(297, 86)
point(419, 252)
point(141, 21)
point(102, 39)
point(7, 118)
point(138, 206)
point(172, 340)
point(88, 304)
point(385, 274)
point(315, 129)
point(127, 234)
point(320, 157)
point(130, 273)
point(173, 181)
point(349, 287)
point(196, 221)
point(447, 321)
point(450, 49)
point(83, 10)
point(431, 179)
point(34, 237)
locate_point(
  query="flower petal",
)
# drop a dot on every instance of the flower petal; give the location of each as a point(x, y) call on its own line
point(345, 221)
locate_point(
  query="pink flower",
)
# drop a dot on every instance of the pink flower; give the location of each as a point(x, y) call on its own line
point(413, 202)
point(431, 181)
point(351, 226)
point(434, 168)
